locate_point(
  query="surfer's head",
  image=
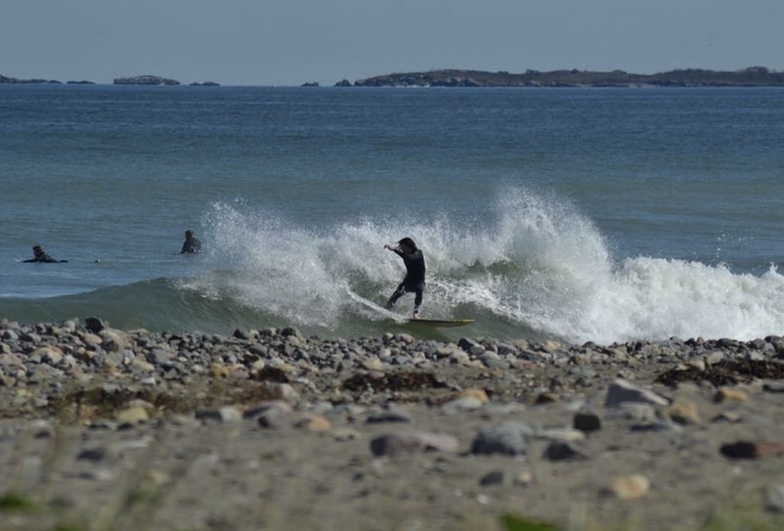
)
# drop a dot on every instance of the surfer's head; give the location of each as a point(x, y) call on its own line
point(408, 242)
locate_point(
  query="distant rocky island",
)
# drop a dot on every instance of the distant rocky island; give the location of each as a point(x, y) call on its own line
point(144, 80)
point(149, 80)
point(755, 76)
point(4, 79)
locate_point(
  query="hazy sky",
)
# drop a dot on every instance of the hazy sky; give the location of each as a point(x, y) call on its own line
point(290, 42)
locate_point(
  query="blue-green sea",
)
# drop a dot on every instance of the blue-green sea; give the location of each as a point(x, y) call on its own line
point(580, 214)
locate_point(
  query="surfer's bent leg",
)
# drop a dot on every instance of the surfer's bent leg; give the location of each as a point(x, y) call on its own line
point(401, 289)
point(419, 292)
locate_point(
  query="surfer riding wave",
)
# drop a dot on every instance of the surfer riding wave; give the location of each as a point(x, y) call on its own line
point(414, 281)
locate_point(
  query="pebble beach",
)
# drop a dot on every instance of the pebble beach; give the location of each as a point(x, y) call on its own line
point(102, 428)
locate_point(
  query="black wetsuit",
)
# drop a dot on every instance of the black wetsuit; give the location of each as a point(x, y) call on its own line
point(190, 246)
point(44, 259)
point(414, 281)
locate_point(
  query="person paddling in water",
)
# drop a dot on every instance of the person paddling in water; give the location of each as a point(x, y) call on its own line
point(414, 281)
point(41, 257)
point(191, 245)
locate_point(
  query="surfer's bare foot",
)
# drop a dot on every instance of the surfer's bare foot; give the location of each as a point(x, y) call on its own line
point(416, 315)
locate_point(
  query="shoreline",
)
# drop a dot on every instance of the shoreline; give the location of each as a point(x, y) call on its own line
point(269, 429)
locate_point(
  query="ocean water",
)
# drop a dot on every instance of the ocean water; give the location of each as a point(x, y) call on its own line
point(579, 214)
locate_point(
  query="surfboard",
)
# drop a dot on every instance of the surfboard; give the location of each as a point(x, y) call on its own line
point(375, 307)
point(432, 323)
point(440, 323)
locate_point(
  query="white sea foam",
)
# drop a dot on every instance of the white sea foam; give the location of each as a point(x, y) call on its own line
point(536, 262)
point(576, 290)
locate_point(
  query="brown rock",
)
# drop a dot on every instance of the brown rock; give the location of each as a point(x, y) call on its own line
point(314, 423)
point(631, 487)
point(546, 398)
point(132, 415)
point(683, 412)
point(479, 394)
point(402, 444)
point(726, 394)
point(752, 449)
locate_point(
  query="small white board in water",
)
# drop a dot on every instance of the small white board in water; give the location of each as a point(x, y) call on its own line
point(441, 323)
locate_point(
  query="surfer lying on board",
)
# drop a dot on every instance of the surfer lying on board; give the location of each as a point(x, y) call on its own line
point(414, 281)
point(42, 257)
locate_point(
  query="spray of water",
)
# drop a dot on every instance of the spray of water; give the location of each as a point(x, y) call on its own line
point(534, 261)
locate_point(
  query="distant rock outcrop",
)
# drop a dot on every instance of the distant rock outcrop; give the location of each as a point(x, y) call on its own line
point(4, 79)
point(755, 76)
point(205, 84)
point(145, 80)
point(83, 82)
point(311, 84)
point(343, 83)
